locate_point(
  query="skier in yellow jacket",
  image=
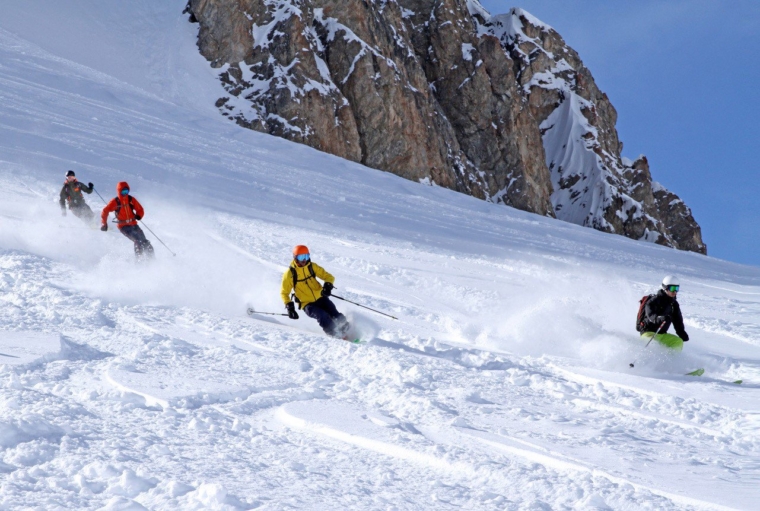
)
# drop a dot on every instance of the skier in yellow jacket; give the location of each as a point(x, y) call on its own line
point(311, 296)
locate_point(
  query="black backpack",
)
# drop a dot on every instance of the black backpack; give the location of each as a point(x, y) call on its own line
point(641, 320)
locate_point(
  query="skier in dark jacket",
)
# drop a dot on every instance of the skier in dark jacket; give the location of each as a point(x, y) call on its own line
point(127, 211)
point(662, 310)
point(71, 194)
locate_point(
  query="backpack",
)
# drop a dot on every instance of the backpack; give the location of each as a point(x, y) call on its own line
point(641, 320)
point(118, 207)
point(293, 272)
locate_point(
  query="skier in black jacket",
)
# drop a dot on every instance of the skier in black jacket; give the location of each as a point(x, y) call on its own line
point(71, 193)
point(662, 310)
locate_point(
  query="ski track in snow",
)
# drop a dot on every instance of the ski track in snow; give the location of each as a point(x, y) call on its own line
point(505, 384)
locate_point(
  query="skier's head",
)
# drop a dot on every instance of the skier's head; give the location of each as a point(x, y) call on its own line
point(122, 189)
point(301, 255)
point(671, 285)
point(70, 176)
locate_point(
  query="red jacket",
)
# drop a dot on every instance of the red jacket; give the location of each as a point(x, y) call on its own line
point(126, 207)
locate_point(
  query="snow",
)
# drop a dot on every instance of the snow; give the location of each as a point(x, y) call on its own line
point(503, 385)
point(467, 50)
point(27, 348)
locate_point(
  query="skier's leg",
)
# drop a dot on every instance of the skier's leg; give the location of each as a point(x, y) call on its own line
point(84, 213)
point(341, 323)
point(130, 231)
point(668, 340)
point(87, 214)
point(145, 245)
point(313, 310)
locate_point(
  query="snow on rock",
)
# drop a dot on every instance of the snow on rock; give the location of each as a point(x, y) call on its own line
point(593, 184)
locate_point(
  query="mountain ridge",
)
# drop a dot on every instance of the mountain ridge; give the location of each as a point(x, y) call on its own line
point(443, 93)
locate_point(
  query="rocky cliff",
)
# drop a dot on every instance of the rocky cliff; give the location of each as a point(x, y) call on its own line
point(439, 91)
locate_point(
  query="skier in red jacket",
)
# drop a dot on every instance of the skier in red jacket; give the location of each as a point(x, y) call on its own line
point(127, 211)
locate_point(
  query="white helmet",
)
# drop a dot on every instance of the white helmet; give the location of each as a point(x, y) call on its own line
point(670, 280)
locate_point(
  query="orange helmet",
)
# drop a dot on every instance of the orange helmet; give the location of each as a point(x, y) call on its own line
point(301, 255)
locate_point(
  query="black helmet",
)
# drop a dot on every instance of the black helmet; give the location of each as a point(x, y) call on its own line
point(70, 173)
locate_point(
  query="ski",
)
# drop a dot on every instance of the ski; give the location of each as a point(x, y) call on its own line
point(250, 311)
point(701, 371)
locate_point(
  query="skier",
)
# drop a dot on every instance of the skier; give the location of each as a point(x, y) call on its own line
point(71, 193)
point(127, 211)
point(659, 311)
point(311, 296)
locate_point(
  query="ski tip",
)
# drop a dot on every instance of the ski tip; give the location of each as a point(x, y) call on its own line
point(738, 382)
point(697, 372)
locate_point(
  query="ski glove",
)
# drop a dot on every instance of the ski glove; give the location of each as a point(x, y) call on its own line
point(292, 314)
point(90, 186)
point(138, 217)
point(661, 319)
point(327, 289)
point(104, 227)
point(685, 337)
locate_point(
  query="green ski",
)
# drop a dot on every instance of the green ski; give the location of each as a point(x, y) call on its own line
point(701, 371)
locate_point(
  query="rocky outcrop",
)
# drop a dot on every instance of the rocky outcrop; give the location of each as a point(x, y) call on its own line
point(439, 91)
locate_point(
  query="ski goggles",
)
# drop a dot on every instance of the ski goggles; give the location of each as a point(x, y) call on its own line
point(125, 191)
point(672, 289)
point(302, 258)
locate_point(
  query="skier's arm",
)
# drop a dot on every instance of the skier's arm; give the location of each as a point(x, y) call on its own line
point(64, 194)
point(322, 273)
point(139, 211)
point(110, 207)
point(678, 322)
point(287, 286)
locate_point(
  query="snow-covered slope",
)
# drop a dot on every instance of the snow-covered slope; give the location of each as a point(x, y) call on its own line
point(504, 384)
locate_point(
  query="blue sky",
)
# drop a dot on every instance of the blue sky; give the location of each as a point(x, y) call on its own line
point(684, 76)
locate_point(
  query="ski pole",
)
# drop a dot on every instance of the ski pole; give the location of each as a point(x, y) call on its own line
point(159, 239)
point(101, 197)
point(251, 311)
point(364, 306)
point(650, 340)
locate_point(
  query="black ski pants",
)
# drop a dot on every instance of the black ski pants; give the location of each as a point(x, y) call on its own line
point(142, 245)
point(328, 317)
point(83, 211)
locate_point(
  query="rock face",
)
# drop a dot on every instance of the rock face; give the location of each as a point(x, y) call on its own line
point(439, 91)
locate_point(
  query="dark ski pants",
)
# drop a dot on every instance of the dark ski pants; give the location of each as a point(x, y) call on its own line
point(142, 245)
point(323, 310)
point(83, 211)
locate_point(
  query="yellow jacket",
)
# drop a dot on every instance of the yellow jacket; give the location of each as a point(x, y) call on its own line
point(308, 289)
